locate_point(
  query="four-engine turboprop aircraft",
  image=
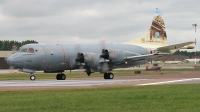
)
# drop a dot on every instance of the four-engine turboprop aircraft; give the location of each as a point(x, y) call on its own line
point(103, 58)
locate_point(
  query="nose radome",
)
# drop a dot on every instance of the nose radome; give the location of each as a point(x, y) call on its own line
point(8, 60)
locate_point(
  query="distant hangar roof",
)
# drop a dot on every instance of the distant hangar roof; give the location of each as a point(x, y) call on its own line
point(5, 53)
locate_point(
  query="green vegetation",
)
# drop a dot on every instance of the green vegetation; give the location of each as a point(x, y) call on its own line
point(76, 74)
point(7, 45)
point(165, 98)
point(185, 53)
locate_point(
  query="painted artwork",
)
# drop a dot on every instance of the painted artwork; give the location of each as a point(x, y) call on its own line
point(157, 30)
point(156, 35)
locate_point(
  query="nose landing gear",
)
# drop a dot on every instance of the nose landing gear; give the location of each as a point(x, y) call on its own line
point(32, 77)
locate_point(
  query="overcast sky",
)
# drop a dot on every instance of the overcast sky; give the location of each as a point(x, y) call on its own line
point(90, 21)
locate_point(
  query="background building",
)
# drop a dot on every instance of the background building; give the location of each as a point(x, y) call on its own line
point(3, 56)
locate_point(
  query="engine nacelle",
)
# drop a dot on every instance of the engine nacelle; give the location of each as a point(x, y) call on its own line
point(92, 58)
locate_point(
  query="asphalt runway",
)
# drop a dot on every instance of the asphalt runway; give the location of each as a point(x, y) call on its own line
point(94, 82)
point(65, 82)
point(97, 82)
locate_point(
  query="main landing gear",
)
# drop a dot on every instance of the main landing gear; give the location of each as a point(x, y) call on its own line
point(60, 76)
point(108, 75)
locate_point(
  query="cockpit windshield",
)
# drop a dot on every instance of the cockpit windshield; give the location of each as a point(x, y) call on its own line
point(28, 50)
point(23, 49)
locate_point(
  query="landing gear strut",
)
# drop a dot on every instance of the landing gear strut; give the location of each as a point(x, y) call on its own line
point(88, 73)
point(88, 70)
point(60, 76)
point(32, 77)
point(108, 75)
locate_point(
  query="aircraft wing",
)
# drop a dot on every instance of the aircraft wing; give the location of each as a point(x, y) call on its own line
point(175, 46)
point(146, 57)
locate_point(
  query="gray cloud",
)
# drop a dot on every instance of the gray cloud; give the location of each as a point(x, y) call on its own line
point(88, 21)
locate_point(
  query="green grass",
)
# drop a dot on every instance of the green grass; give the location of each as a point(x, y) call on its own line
point(75, 74)
point(165, 98)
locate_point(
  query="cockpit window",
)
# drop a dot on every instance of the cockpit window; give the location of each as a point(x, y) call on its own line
point(30, 50)
point(23, 49)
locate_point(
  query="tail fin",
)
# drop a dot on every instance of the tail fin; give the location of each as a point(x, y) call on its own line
point(156, 36)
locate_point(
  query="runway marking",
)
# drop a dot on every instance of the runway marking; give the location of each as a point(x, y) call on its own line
point(64, 82)
point(168, 82)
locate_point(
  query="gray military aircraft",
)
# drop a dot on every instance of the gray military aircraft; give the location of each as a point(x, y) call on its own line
point(57, 58)
point(102, 57)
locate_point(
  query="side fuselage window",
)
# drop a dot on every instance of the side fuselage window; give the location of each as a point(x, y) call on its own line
point(30, 50)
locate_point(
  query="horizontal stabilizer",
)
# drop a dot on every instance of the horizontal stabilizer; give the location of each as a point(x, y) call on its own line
point(146, 57)
point(175, 46)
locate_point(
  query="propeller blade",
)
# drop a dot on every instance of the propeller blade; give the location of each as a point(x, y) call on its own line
point(102, 44)
point(78, 48)
point(81, 69)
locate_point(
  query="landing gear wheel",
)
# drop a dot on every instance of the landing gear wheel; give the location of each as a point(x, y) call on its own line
point(32, 77)
point(105, 76)
point(111, 76)
point(60, 76)
point(108, 75)
point(63, 77)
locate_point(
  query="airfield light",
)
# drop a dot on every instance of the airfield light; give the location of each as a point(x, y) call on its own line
point(195, 53)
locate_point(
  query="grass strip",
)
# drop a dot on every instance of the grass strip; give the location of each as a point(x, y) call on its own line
point(159, 98)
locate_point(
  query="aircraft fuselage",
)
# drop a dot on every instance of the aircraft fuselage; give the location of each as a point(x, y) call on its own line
point(58, 57)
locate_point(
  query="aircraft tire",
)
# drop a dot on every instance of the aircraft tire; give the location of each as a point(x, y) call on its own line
point(105, 75)
point(58, 76)
point(63, 77)
point(32, 77)
point(111, 75)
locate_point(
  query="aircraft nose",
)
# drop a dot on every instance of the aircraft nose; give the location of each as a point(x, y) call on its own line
point(15, 60)
point(9, 60)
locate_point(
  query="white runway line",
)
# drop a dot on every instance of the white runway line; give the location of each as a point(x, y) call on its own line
point(168, 82)
point(64, 82)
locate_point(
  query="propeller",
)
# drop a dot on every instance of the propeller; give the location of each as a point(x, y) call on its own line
point(80, 55)
point(80, 59)
point(105, 55)
point(104, 51)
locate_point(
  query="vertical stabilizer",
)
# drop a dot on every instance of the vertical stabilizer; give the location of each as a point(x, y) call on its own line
point(156, 36)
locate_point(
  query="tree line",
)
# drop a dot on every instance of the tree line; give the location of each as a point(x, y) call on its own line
point(189, 54)
point(7, 45)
